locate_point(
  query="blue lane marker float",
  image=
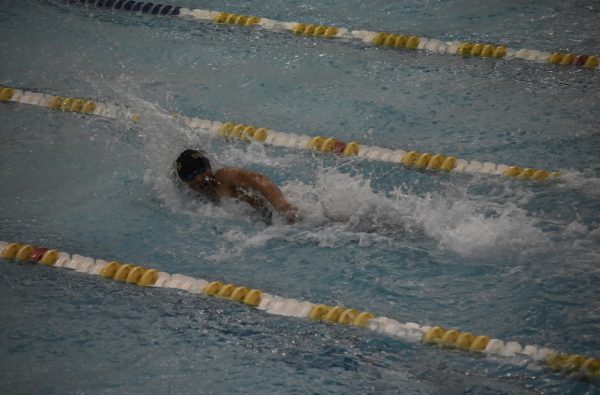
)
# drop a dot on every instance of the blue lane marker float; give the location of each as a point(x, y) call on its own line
point(132, 6)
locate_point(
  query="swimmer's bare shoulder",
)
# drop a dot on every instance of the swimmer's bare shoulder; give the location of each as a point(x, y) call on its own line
point(234, 181)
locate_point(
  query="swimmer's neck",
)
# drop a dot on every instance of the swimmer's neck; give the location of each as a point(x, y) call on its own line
point(205, 183)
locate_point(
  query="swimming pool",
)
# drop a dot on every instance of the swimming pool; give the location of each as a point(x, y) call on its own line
point(512, 259)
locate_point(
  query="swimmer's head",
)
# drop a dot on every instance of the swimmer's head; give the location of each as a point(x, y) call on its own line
point(190, 164)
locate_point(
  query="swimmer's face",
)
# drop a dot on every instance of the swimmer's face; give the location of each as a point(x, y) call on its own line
point(202, 183)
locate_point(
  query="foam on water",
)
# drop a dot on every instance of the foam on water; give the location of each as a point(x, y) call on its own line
point(456, 223)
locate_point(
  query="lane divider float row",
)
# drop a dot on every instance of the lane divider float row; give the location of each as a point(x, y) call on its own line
point(377, 38)
point(411, 159)
point(70, 104)
point(328, 145)
point(445, 338)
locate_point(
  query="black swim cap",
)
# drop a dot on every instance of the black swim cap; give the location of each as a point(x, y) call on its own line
point(190, 164)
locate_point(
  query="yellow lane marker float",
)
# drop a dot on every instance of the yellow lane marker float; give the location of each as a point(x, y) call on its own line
point(445, 338)
point(235, 19)
point(69, 104)
point(322, 144)
point(330, 145)
point(378, 38)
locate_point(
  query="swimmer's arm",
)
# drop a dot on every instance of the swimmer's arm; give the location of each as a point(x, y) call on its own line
point(257, 182)
point(253, 201)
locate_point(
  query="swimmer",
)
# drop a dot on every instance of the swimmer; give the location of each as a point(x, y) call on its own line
point(194, 169)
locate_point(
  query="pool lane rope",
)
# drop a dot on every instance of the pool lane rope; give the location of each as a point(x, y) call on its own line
point(377, 38)
point(445, 338)
point(66, 103)
point(242, 132)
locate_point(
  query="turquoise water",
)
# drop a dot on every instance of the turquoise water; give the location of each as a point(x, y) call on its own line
point(513, 260)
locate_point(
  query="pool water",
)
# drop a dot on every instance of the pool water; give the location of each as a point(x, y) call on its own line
point(515, 260)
